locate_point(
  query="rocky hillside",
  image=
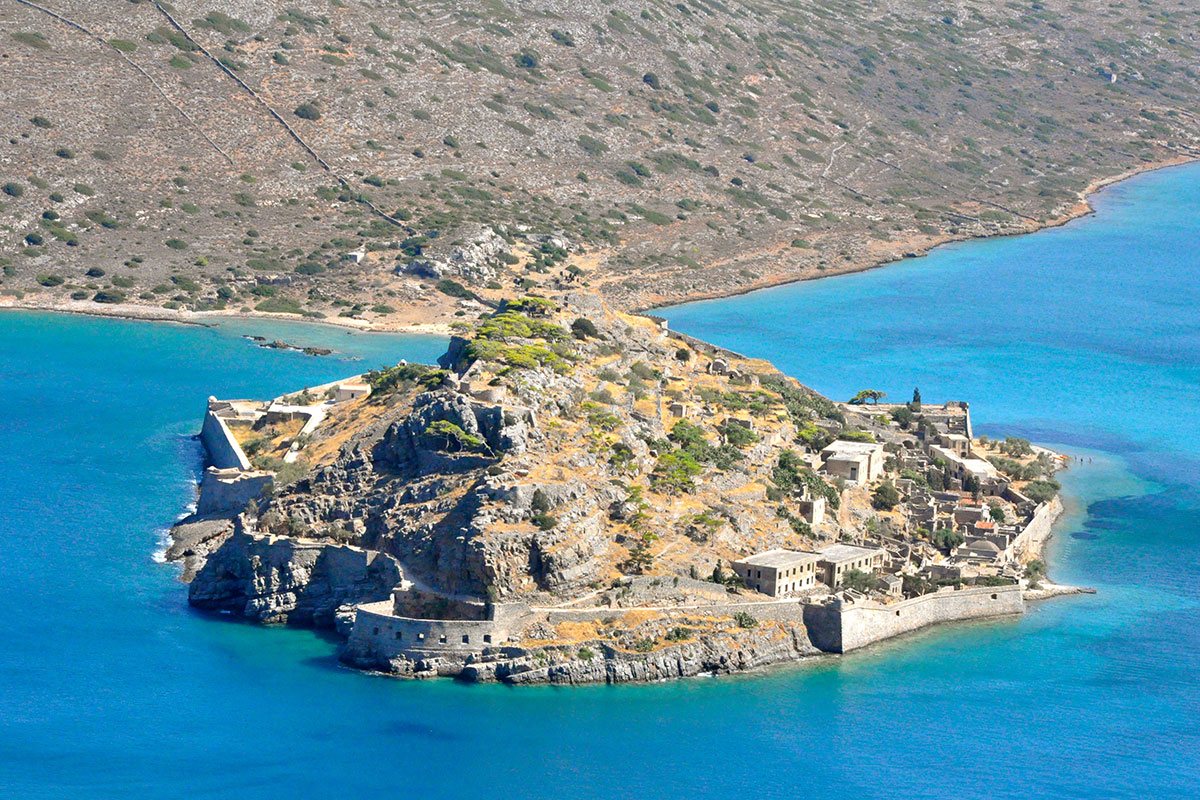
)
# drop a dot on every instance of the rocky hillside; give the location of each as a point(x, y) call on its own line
point(563, 446)
point(341, 158)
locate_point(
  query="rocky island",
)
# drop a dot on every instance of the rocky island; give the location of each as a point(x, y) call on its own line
point(579, 495)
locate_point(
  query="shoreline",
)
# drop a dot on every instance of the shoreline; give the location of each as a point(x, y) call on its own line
point(207, 319)
point(135, 311)
point(1082, 208)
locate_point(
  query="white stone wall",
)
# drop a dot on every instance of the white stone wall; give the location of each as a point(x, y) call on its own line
point(379, 636)
point(223, 450)
point(842, 627)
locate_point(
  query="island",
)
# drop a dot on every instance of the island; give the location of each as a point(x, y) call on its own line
point(576, 495)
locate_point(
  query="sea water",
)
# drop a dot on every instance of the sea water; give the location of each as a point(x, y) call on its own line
point(1085, 337)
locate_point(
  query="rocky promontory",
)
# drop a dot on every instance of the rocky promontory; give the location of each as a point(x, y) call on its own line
point(576, 495)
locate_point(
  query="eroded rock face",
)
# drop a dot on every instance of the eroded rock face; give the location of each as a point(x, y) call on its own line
point(737, 650)
point(281, 580)
point(408, 446)
point(474, 260)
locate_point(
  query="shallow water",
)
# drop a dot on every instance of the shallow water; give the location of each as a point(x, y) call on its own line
point(1085, 336)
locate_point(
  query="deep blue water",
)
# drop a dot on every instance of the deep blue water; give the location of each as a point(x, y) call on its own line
point(1084, 336)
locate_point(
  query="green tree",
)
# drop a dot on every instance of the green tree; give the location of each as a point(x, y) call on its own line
point(945, 539)
point(885, 497)
point(1035, 570)
point(873, 395)
point(453, 437)
point(859, 581)
point(674, 471)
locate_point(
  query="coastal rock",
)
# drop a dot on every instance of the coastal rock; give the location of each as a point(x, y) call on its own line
point(727, 652)
point(280, 580)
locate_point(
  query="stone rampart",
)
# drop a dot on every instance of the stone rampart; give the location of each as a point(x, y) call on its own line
point(1030, 540)
point(229, 491)
point(787, 611)
point(839, 626)
point(379, 636)
point(223, 450)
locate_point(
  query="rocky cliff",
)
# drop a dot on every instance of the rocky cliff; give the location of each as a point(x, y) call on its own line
point(280, 580)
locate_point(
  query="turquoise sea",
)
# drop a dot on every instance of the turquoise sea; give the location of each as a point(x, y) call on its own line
point(1086, 336)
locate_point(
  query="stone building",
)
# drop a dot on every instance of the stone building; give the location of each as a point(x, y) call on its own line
point(835, 560)
point(861, 462)
point(778, 573)
point(351, 390)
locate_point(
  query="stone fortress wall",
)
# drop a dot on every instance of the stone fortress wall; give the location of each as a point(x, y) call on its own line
point(839, 626)
point(1031, 538)
point(378, 635)
point(223, 450)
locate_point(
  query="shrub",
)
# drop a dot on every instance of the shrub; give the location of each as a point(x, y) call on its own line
point(13, 189)
point(545, 522)
point(177, 244)
point(109, 296)
point(41, 122)
point(651, 80)
point(885, 497)
point(124, 45)
point(50, 280)
point(308, 111)
point(453, 288)
point(1035, 570)
point(527, 59)
point(279, 305)
point(591, 145)
point(584, 328)
point(945, 539)
point(32, 38)
point(1041, 491)
point(683, 354)
point(744, 620)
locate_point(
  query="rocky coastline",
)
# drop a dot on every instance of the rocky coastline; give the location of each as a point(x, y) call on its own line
point(459, 522)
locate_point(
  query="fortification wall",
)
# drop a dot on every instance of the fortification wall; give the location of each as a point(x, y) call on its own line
point(378, 636)
point(229, 491)
point(223, 450)
point(839, 627)
point(790, 611)
point(1028, 543)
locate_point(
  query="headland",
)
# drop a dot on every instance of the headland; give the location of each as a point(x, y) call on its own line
point(578, 495)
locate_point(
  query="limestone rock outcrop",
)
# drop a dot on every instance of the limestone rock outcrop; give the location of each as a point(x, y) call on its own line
point(280, 580)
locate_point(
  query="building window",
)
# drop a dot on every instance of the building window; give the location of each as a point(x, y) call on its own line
point(442, 639)
point(376, 632)
point(466, 639)
point(399, 634)
point(421, 636)
point(487, 638)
